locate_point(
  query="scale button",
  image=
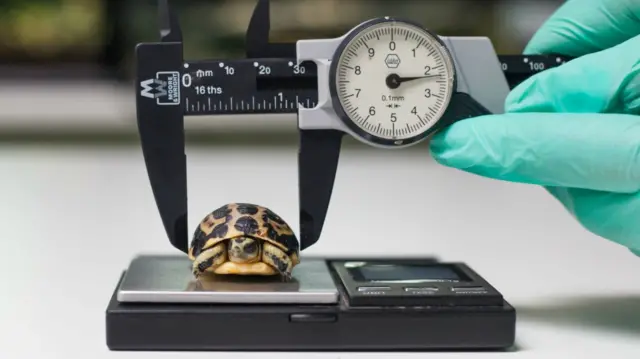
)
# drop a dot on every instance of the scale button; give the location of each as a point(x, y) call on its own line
point(368, 289)
point(421, 289)
point(468, 289)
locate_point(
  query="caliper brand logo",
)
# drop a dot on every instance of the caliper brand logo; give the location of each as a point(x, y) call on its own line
point(165, 88)
point(159, 85)
point(392, 61)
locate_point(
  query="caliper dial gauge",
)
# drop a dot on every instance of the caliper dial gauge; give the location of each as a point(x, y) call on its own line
point(391, 81)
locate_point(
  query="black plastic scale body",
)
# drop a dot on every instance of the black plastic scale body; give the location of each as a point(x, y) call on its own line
point(332, 304)
point(388, 83)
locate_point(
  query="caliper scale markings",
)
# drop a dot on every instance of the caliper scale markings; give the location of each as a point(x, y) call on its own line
point(248, 86)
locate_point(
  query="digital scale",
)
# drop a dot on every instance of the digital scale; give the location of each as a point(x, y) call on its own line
point(331, 304)
point(389, 83)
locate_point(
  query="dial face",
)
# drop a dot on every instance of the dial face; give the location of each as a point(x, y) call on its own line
point(394, 81)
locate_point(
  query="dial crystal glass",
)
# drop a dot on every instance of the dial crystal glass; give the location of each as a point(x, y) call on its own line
point(394, 81)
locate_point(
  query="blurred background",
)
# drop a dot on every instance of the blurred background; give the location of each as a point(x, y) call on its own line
point(66, 65)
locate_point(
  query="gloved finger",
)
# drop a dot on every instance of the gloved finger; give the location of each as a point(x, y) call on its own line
point(613, 216)
point(607, 81)
point(590, 151)
point(581, 27)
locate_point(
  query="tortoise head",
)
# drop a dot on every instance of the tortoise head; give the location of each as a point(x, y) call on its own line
point(244, 250)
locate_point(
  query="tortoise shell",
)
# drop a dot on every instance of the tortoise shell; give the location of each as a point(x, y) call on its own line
point(244, 219)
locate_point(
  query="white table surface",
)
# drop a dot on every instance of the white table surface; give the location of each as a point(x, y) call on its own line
point(72, 218)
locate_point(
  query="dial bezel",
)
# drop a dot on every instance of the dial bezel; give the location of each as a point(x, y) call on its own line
point(335, 97)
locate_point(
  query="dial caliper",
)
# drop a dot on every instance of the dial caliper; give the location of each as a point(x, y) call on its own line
point(388, 82)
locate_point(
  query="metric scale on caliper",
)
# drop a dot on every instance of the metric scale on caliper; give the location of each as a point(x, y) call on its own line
point(387, 82)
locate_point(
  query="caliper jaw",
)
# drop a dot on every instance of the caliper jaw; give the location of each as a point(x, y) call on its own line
point(320, 143)
point(257, 37)
point(318, 151)
point(161, 124)
point(169, 25)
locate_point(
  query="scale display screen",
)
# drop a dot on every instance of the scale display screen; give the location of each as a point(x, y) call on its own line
point(405, 273)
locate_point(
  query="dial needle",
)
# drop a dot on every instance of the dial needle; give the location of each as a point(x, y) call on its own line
point(393, 81)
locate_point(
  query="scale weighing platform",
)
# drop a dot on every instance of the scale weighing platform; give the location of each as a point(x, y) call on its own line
point(390, 84)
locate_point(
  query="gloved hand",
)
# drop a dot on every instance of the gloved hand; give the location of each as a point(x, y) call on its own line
point(574, 129)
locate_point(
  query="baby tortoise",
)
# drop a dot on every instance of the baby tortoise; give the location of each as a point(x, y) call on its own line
point(244, 239)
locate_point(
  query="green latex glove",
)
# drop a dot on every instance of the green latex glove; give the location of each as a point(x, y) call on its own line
point(574, 129)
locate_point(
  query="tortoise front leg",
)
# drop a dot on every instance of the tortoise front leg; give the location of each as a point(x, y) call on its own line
point(210, 259)
point(278, 259)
